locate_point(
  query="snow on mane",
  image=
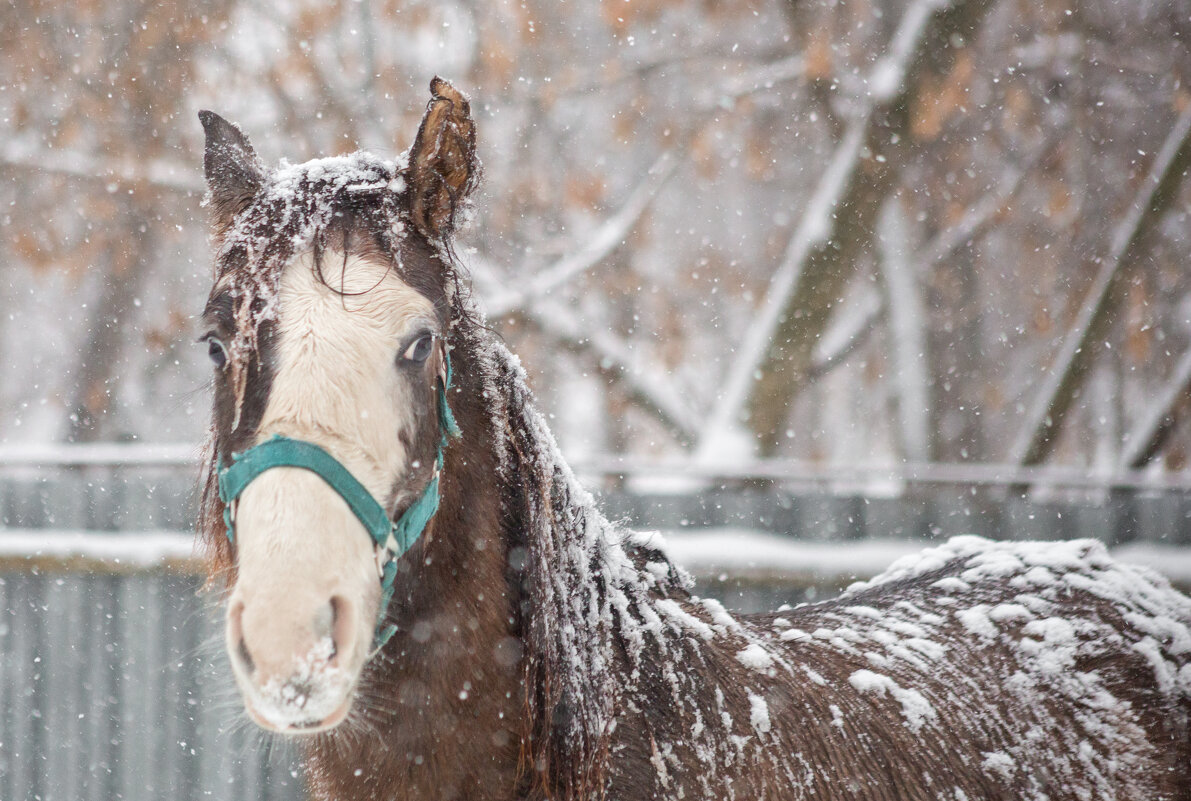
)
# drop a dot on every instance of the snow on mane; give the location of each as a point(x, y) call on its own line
point(611, 612)
point(299, 201)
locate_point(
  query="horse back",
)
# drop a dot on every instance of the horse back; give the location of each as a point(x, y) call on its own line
point(976, 670)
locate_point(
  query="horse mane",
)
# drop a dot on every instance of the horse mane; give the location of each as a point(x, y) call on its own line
point(584, 581)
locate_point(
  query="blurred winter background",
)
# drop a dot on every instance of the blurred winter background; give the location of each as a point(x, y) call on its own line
point(804, 282)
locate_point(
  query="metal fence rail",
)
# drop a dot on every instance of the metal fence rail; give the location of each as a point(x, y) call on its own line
point(162, 498)
point(183, 457)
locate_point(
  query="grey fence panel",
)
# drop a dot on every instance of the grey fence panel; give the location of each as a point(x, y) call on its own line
point(109, 691)
point(8, 685)
point(1164, 518)
point(100, 682)
point(62, 703)
point(163, 498)
point(22, 768)
point(106, 507)
point(136, 688)
point(25, 503)
point(899, 518)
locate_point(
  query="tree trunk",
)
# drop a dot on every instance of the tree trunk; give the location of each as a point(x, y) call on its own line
point(829, 267)
point(100, 358)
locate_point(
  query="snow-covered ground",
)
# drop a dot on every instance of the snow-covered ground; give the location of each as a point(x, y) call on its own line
point(706, 553)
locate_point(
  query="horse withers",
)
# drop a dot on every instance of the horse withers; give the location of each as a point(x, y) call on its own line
point(418, 587)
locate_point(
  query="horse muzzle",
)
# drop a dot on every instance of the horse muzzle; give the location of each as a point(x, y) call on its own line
point(291, 676)
point(301, 615)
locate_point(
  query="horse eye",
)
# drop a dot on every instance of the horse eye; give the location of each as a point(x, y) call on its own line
point(216, 351)
point(419, 350)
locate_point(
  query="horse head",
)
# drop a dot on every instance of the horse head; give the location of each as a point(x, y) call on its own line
point(329, 328)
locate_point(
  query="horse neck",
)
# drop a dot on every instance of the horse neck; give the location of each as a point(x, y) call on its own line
point(455, 656)
point(583, 580)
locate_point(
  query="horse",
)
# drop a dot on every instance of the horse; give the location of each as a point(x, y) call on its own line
point(422, 595)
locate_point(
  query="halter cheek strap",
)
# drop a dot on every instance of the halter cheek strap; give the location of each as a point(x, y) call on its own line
point(392, 538)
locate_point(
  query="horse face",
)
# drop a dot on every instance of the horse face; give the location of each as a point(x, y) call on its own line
point(326, 325)
point(353, 369)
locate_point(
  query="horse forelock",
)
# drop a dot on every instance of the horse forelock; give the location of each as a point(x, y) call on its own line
point(299, 208)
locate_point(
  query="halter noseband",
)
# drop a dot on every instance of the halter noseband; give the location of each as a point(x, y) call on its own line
point(392, 537)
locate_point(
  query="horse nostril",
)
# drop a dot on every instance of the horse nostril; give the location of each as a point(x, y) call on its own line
point(236, 635)
point(342, 630)
point(324, 628)
point(245, 657)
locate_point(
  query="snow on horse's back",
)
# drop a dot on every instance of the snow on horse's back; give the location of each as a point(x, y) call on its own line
point(1034, 670)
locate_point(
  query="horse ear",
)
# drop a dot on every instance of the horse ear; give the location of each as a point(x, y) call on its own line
point(234, 173)
point(443, 167)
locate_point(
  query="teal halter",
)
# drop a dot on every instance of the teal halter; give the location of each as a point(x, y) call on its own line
point(392, 537)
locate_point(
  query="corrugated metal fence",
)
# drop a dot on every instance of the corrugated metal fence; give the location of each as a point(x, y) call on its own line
point(109, 690)
point(112, 680)
point(112, 684)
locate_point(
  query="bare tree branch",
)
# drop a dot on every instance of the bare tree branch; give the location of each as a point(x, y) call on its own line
point(642, 379)
point(756, 80)
point(907, 327)
point(834, 349)
point(843, 339)
point(1144, 441)
point(611, 233)
point(607, 237)
point(650, 67)
point(74, 164)
point(1054, 398)
point(814, 228)
point(978, 218)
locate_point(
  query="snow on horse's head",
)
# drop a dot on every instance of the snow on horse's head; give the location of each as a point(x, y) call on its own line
point(328, 324)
